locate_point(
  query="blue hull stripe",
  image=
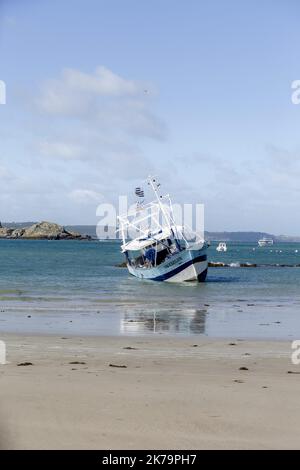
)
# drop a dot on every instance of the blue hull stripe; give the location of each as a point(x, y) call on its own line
point(180, 268)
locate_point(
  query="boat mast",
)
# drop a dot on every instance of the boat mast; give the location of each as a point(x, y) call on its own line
point(154, 186)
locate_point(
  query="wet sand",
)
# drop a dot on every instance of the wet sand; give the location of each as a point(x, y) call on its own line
point(169, 393)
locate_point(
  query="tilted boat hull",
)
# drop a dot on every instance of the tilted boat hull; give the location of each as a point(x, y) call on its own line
point(187, 265)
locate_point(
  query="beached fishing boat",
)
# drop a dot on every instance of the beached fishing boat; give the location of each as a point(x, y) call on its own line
point(161, 249)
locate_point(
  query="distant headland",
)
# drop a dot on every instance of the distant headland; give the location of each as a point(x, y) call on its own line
point(249, 237)
point(41, 231)
point(53, 231)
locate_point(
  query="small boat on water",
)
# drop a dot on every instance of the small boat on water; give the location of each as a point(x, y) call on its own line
point(265, 241)
point(162, 251)
point(222, 247)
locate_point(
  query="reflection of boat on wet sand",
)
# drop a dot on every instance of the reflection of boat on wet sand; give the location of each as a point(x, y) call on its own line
point(189, 321)
point(161, 252)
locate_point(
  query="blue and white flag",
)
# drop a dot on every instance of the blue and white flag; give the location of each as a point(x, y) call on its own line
point(139, 192)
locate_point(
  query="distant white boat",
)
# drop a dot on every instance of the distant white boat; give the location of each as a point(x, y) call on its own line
point(265, 241)
point(222, 247)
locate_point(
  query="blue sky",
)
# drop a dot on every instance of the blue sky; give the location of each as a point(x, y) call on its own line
point(100, 93)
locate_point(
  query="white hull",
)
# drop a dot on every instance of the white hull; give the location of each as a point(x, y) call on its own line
point(190, 274)
point(188, 265)
point(222, 247)
point(265, 242)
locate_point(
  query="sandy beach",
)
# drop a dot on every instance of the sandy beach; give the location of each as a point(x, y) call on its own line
point(173, 393)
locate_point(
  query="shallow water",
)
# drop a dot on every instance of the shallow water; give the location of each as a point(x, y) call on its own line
point(72, 287)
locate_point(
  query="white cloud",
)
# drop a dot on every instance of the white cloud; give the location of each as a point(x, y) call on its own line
point(102, 82)
point(132, 117)
point(282, 158)
point(67, 151)
point(75, 92)
point(57, 99)
point(83, 196)
point(103, 100)
point(88, 140)
point(5, 174)
point(223, 172)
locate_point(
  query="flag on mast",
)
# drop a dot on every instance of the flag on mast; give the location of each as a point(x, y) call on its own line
point(139, 192)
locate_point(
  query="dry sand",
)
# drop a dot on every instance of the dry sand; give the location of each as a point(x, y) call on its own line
point(171, 394)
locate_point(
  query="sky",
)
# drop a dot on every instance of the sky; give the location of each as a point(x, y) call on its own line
point(101, 93)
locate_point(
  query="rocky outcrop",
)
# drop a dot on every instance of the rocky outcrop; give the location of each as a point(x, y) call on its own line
point(17, 233)
point(42, 231)
point(219, 264)
point(5, 232)
point(121, 265)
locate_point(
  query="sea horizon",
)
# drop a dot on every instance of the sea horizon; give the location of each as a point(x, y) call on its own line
point(222, 235)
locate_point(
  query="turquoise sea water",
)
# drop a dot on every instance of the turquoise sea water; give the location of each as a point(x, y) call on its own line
point(72, 287)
